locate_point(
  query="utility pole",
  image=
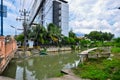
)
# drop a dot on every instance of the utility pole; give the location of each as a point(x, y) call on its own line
point(1, 17)
point(24, 13)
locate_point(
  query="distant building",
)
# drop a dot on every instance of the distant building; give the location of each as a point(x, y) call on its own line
point(51, 11)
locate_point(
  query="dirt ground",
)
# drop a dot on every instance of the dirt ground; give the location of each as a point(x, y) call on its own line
point(68, 77)
point(5, 78)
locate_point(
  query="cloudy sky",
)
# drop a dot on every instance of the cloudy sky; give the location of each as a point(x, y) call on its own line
point(84, 15)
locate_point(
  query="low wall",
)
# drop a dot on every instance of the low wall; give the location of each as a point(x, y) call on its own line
point(7, 50)
point(54, 49)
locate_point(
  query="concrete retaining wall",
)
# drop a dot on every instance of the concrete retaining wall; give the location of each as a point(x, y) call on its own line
point(7, 50)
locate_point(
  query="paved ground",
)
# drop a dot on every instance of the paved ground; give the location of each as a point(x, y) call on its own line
point(68, 77)
point(5, 78)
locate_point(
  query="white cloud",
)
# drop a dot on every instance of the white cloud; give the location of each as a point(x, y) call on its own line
point(89, 15)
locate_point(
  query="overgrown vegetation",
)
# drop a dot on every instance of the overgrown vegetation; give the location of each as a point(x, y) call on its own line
point(101, 68)
point(115, 50)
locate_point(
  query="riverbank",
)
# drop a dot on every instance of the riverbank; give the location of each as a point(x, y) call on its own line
point(69, 76)
point(48, 49)
point(102, 67)
point(5, 78)
point(36, 51)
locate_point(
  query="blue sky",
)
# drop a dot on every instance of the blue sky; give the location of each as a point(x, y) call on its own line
point(84, 15)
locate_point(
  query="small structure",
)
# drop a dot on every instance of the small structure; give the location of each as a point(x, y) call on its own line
point(30, 42)
point(84, 54)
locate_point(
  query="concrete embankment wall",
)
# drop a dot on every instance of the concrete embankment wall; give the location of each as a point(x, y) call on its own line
point(7, 49)
point(55, 49)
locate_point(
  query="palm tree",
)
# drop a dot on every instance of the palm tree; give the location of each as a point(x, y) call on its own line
point(54, 32)
point(38, 33)
point(42, 35)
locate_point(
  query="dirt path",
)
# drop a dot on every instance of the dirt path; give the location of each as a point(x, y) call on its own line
point(5, 78)
point(69, 76)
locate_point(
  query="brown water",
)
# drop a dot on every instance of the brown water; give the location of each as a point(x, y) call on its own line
point(40, 67)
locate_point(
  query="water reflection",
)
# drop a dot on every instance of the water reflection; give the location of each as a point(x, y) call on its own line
point(41, 67)
point(72, 65)
point(24, 74)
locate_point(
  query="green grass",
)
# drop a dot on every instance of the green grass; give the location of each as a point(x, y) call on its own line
point(115, 50)
point(100, 69)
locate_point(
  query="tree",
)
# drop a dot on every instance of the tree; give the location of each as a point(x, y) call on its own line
point(84, 43)
point(54, 32)
point(72, 34)
point(99, 36)
point(20, 38)
point(38, 33)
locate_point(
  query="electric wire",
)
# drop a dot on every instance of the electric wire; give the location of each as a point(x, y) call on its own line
point(23, 4)
point(30, 5)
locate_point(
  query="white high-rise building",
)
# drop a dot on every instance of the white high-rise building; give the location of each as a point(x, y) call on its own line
point(52, 11)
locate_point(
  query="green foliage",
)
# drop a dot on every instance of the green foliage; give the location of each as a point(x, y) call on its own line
point(94, 73)
point(108, 44)
point(115, 50)
point(20, 38)
point(53, 29)
point(72, 40)
point(65, 40)
point(73, 47)
point(100, 69)
point(99, 36)
point(116, 42)
point(84, 43)
point(68, 40)
point(113, 68)
point(42, 35)
point(72, 34)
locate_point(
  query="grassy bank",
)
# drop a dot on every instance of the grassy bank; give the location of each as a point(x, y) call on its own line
point(115, 50)
point(102, 68)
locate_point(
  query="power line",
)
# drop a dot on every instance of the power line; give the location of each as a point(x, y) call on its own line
point(13, 2)
point(20, 5)
point(30, 5)
point(23, 4)
point(44, 14)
